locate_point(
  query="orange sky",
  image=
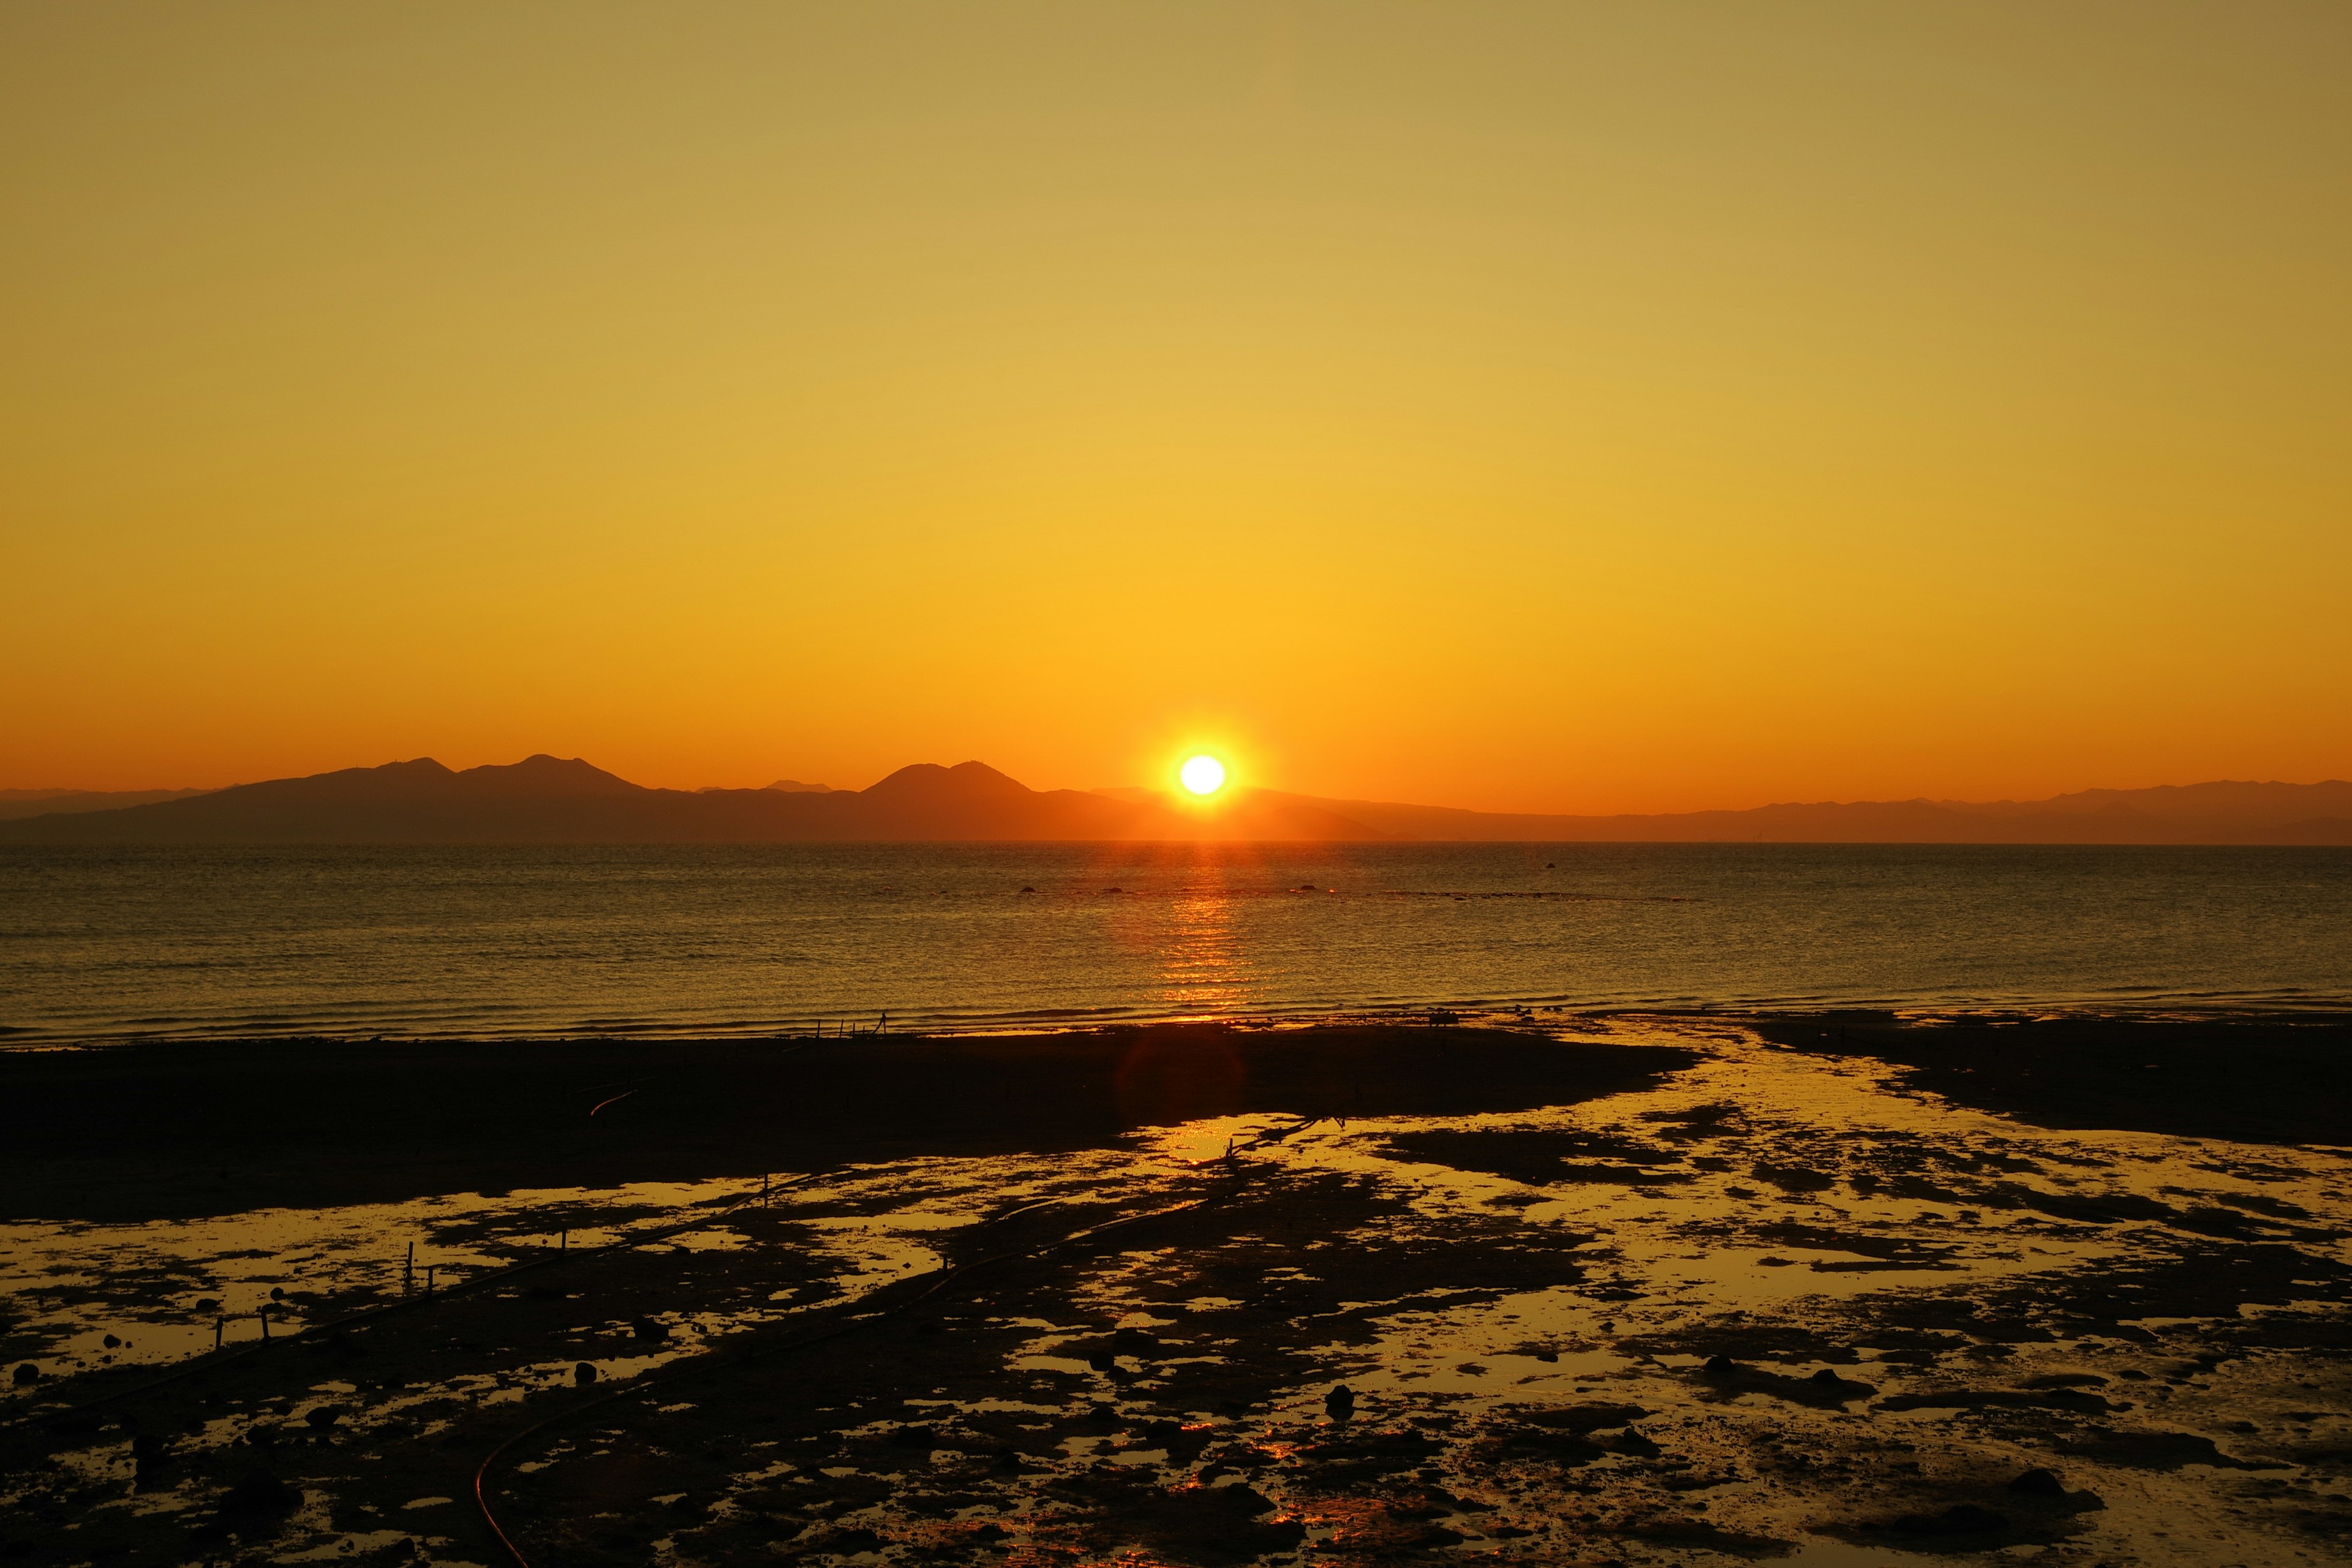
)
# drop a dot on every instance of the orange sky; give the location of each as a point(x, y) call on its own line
point(1573, 408)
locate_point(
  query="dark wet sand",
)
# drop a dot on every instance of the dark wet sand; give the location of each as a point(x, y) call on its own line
point(2253, 1081)
point(1946, 1339)
point(152, 1131)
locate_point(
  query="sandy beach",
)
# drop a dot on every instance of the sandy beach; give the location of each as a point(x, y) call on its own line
point(1633, 1289)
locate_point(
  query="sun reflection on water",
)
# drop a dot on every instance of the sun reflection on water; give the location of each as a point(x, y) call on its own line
point(1204, 969)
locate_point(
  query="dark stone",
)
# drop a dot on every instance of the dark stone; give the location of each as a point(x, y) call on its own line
point(1960, 1519)
point(1796, 1178)
point(1340, 1402)
point(1822, 1390)
point(258, 1494)
point(584, 1374)
point(1586, 1417)
point(1638, 1444)
point(1569, 1448)
point(647, 1329)
point(2038, 1482)
point(324, 1416)
point(2158, 1451)
point(25, 1373)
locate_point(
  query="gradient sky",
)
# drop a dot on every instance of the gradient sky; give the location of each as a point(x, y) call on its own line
point(1552, 406)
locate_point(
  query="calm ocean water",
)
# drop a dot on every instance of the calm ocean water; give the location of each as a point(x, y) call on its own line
point(107, 942)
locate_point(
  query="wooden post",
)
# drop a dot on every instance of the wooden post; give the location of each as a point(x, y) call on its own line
point(263, 1313)
point(220, 1327)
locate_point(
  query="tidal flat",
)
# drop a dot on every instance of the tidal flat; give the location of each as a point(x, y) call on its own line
point(1842, 1290)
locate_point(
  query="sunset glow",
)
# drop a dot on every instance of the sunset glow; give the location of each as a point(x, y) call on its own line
point(1561, 408)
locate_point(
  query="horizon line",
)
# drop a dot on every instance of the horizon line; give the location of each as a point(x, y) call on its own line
point(29, 793)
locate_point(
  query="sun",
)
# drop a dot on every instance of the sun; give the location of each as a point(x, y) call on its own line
point(1202, 774)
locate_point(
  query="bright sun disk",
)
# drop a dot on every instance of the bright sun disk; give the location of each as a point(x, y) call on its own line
point(1202, 776)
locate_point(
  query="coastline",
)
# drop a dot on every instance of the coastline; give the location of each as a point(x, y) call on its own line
point(1549, 1014)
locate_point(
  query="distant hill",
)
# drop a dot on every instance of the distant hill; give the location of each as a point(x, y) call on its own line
point(549, 800)
point(2226, 808)
point(16, 803)
point(2222, 813)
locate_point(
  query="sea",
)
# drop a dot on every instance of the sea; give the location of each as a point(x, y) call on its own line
point(109, 943)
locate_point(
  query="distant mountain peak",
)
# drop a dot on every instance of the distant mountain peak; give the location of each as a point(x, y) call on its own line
point(965, 781)
point(540, 773)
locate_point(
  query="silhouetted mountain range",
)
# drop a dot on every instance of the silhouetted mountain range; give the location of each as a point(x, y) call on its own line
point(548, 800)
